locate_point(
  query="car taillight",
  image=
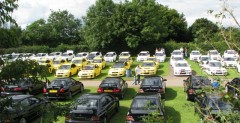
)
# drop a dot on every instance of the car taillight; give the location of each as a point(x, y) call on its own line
point(2, 89)
point(100, 90)
point(44, 90)
point(116, 90)
point(17, 89)
point(62, 90)
point(129, 118)
point(95, 118)
point(191, 91)
point(161, 90)
point(140, 91)
point(67, 117)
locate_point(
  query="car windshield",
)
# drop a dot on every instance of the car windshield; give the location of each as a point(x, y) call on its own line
point(178, 58)
point(213, 53)
point(39, 55)
point(229, 59)
point(195, 53)
point(91, 55)
point(110, 82)
point(52, 54)
point(159, 54)
point(77, 61)
point(143, 54)
point(109, 55)
point(58, 82)
point(97, 60)
point(118, 65)
point(64, 67)
point(148, 64)
point(205, 58)
point(177, 53)
point(231, 52)
point(199, 82)
point(88, 68)
point(181, 65)
point(152, 81)
point(85, 103)
point(124, 54)
point(144, 103)
point(215, 64)
point(217, 103)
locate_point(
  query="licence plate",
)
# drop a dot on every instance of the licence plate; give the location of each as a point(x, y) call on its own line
point(53, 91)
point(107, 90)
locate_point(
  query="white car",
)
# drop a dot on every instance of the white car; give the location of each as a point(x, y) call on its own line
point(182, 68)
point(54, 55)
point(203, 59)
point(82, 55)
point(39, 56)
point(231, 53)
point(143, 55)
point(214, 55)
point(174, 59)
point(110, 56)
point(229, 62)
point(68, 56)
point(238, 68)
point(214, 67)
point(160, 56)
point(125, 53)
point(92, 55)
point(176, 53)
point(195, 55)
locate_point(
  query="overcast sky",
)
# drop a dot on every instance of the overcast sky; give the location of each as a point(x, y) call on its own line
point(32, 10)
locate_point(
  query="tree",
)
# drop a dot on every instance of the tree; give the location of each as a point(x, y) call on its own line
point(10, 37)
point(6, 8)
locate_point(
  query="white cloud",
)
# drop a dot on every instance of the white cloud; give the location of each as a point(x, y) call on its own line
point(32, 10)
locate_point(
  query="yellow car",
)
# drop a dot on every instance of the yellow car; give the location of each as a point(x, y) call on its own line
point(99, 61)
point(57, 63)
point(80, 62)
point(148, 68)
point(119, 69)
point(153, 58)
point(90, 71)
point(127, 59)
point(48, 63)
point(67, 70)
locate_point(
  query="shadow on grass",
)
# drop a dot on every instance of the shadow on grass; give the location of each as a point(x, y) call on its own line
point(120, 116)
point(170, 94)
point(172, 115)
point(131, 92)
point(160, 72)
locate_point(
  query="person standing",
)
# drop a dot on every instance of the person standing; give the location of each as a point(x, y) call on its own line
point(138, 72)
point(185, 51)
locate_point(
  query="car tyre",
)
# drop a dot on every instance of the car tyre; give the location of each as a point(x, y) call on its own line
point(23, 120)
point(82, 88)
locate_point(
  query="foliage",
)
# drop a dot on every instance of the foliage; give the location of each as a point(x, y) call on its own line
point(6, 8)
point(10, 37)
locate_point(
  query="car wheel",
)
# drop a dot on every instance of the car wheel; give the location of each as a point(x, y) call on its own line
point(70, 96)
point(23, 120)
point(82, 89)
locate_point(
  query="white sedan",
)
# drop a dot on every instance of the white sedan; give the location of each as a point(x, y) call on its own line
point(214, 55)
point(174, 59)
point(214, 67)
point(176, 53)
point(160, 56)
point(229, 62)
point(231, 53)
point(182, 68)
point(143, 55)
point(195, 55)
point(203, 59)
point(110, 56)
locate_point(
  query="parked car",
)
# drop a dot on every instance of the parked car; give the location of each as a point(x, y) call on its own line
point(113, 85)
point(214, 55)
point(142, 56)
point(182, 68)
point(80, 62)
point(231, 53)
point(203, 60)
point(209, 105)
point(153, 58)
point(193, 86)
point(174, 59)
point(160, 56)
point(92, 55)
point(68, 56)
point(22, 86)
point(39, 56)
point(214, 67)
point(229, 62)
point(58, 63)
point(195, 55)
point(233, 86)
point(143, 105)
point(148, 68)
point(99, 61)
point(110, 56)
point(23, 109)
point(127, 59)
point(125, 53)
point(53, 55)
point(118, 69)
point(94, 108)
point(176, 53)
point(89, 71)
point(67, 70)
point(62, 88)
point(82, 55)
point(153, 84)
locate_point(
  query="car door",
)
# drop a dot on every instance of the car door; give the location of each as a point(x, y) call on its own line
point(35, 106)
point(110, 105)
point(25, 109)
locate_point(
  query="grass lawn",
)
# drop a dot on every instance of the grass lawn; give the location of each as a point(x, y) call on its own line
point(178, 110)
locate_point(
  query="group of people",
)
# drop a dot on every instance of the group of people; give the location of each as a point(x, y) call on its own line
point(184, 51)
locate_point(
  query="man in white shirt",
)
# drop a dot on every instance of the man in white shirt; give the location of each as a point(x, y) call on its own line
point(138, 72)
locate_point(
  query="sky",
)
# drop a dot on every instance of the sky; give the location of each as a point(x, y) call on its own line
point(32, 10)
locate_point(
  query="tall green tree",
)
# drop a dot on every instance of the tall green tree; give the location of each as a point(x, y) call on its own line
point(6, 9)
point(10, 37)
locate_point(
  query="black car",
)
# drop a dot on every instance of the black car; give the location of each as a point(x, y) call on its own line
point(153, 84)
point(113, 85)
point(193, 84)
point(63, 88)
point(143, 105)
point(93, 108)
point(209, 105)
point(22, 86)
point(23, 109)
point(233, 86)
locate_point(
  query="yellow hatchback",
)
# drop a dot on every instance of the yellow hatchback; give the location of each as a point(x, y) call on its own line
point(57, 63)
point(80, 62)
point(48, 63)
point(89, 71)
point(67, 70)
point(119, 69)
point(148, 68)
point(153, 58)
point(127, 59)
point(99, 61)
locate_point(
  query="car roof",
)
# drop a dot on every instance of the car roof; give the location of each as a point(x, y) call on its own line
point(93, 95)
point(146, 95)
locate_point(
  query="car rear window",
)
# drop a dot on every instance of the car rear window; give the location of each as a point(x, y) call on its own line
point(58, 83)
point(152, 81)
point(144, 103)
point(85, 103)
point(199, 82)
point(118, 65)
point(148, 64)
